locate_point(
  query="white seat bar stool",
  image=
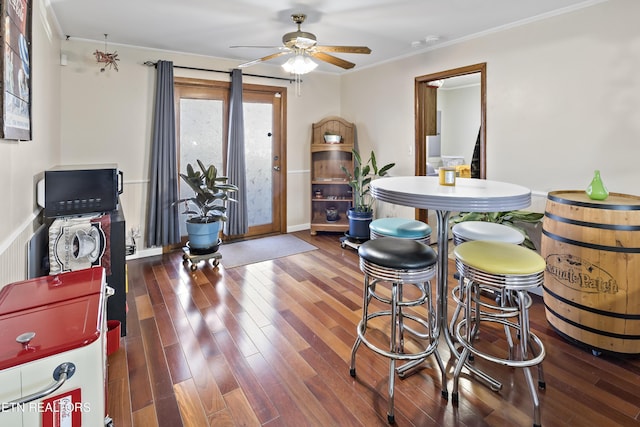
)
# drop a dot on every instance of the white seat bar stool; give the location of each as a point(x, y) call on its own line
point(482, 230)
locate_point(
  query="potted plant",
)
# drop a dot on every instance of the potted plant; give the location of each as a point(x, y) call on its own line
point(510, 218)
point(207, 208)
point(361, 214)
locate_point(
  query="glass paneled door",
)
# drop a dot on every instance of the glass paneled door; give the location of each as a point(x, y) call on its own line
point(202, 115)
point(263, 157)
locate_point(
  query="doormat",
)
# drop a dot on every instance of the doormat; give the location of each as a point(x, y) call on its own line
point(263, 249)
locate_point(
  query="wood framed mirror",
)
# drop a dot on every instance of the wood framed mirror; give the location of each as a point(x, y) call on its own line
point(426, 118)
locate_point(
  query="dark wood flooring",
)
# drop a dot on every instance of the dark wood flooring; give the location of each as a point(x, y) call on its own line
point(269, 344)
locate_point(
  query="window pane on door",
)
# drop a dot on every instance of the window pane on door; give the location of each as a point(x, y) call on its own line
point(201, 137)
point(258, 119)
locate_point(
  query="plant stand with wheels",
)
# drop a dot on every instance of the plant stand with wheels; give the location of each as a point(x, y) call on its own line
point(352, 242)
point(193, 258)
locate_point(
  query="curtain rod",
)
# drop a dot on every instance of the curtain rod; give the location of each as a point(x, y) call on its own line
point(151, 63)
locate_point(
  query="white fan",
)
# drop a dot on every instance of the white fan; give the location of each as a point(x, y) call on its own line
point(303, 43)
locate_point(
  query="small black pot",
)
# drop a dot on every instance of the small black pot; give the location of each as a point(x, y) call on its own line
point(332, 214)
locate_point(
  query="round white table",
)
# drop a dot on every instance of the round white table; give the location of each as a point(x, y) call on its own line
point(467, 195)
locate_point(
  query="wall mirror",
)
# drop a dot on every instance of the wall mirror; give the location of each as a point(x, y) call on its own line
point(450, 120)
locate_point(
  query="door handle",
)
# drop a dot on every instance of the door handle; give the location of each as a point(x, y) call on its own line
point(62, 373)
point(276, 168)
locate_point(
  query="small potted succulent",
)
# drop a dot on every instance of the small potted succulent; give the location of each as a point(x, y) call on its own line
point(361, 214)
point(207, 208)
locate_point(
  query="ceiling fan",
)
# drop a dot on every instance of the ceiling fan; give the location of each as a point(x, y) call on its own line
point(302, 43)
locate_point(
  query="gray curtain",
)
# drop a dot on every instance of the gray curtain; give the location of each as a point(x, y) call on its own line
point(163, 227)
point(238, 222)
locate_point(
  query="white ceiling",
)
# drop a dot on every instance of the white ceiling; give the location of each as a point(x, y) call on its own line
point(210, 27)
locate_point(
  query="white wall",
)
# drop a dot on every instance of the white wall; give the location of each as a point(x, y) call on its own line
point(22, 163)
point(563, 99)
point(107, 118)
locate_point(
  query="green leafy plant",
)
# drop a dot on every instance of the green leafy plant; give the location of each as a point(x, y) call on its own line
point(211, 194)
point(360, 178)
point(510, 218)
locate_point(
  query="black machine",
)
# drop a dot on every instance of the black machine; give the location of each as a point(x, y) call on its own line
point(80, 189)
point(84, 227)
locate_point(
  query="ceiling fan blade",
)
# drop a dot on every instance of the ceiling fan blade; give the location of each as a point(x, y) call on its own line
point(343, 49)
point(264, 58)
point(260, 47)
point(332, 60)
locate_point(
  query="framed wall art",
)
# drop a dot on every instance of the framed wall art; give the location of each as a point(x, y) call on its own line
point(15, 121)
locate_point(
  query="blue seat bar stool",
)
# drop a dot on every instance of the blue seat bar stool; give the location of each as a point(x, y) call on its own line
point(502, 266)
point(399, 263)
point(401, 228)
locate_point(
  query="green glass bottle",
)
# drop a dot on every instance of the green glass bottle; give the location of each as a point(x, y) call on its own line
point(596, 190)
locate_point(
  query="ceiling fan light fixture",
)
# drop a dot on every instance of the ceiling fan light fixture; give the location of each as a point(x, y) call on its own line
point(299, 64)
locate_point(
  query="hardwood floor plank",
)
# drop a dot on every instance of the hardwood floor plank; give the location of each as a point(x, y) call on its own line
point(177, 364)
point(168, 411)
point(133, 325)
point(166, 330)
point(145, 417)
point(143, 305)
point(139, 383)
point(240, 409)
point(206, 386)
point(211, 318)
point(222, 418)
point(117, 362)
point(223, 374)
point(246, 379)
point(245, 345)
point(118, 404)
point(154, 292)
point(191, 409)
point(339, 380)
point(339, 412)
point(156, 362)
point(283, 409)
point(274, 339)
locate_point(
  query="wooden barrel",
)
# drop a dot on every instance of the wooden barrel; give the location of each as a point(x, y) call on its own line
point(592, 279)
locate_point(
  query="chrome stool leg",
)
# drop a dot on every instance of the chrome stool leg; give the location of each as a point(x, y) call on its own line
point(363, 323)
point(399, 262)
point(512, 311)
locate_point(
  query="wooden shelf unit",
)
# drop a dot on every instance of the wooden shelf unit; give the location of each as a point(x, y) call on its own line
point(327, 175)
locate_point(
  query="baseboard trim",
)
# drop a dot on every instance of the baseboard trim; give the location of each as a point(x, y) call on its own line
point(143, 253)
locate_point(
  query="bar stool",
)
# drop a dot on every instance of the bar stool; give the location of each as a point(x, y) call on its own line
point(468, 231)
point(482, 230)
point(399, 262)
point(501, 266)
point(401, 228)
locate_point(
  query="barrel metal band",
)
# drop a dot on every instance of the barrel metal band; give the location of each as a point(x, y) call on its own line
point(592, 330)
point(617, 227)
point(625, 316)
point(591, 245)
point(593, 205)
